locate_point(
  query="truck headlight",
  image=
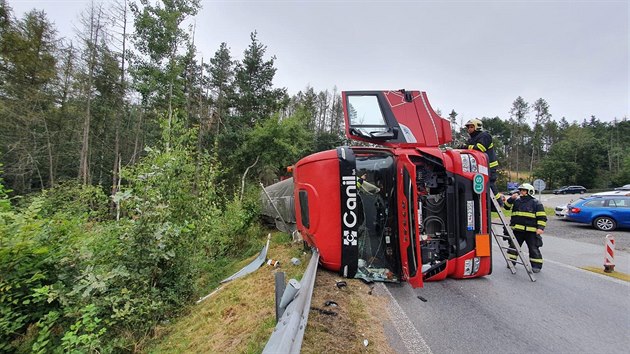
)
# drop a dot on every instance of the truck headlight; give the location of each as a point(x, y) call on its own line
point(469, 163)
point(465, 163)
point(468, 267)
point(476, 263)
point(471, 266)
point(473, 164)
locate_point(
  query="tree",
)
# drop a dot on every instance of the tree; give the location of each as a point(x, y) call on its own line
point(221, 70)
point(278, 144)
point(92, 38)
point(119, 16)
point(518, 114)
point(541, 117)
point(501, 133)
point(159, 69)
point(256, 98)
point(28, 71)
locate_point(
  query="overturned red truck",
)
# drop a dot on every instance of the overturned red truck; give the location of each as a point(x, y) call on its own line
point(408, 210)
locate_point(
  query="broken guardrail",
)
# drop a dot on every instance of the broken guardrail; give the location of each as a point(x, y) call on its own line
point(289, 332)
point(250, 268)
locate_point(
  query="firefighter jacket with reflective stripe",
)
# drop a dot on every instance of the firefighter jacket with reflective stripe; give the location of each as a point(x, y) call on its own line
point(482, 141)
point(528, 214)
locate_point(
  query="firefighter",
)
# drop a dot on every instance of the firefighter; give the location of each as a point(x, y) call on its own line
point(528, 223)
point(482, 140)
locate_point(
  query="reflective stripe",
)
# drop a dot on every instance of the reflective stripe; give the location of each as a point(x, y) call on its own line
point(524, 214)
point(512, 256)
point(493, 164)
point(541, 213)
point(536, 260)
point(491, 146)
point(541, 223)
point(481, 147)
point(471, 147)
point(524, 228)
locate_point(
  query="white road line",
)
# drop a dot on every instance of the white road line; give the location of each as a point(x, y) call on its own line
point(411, 338)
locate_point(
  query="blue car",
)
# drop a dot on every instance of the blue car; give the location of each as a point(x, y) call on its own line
point(605, 213)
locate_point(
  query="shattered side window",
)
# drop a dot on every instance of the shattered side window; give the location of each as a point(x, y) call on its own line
point(378, 255)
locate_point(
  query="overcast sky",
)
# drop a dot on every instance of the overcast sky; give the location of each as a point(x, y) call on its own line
point(474, 57)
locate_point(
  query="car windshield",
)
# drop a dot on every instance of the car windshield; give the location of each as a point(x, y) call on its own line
point(377, 232)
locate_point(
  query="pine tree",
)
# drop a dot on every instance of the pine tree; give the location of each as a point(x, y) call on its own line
point(541, 118)
point(256, 98)
point(221, 70)
point(518, 114)
point(28, 73)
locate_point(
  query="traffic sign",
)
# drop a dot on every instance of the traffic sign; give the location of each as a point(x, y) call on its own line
point(478, 186)
point(540, 185)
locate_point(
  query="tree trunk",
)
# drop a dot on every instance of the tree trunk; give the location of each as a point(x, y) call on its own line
point(49, 150)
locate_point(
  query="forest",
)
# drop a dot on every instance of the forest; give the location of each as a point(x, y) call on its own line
point(130, 166)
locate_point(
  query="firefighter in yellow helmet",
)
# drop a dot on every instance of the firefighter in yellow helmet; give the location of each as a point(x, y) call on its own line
point(528, 223)
point(482, 140)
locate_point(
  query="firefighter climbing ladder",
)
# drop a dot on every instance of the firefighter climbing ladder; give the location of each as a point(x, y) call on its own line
point(509, 237)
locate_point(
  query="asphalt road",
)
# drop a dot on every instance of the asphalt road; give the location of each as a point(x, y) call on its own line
point(567, 310)
point(560, 227)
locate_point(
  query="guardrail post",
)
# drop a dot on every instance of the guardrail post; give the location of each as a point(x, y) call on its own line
point(289, 332)
point(280, 286)
point(289, 293)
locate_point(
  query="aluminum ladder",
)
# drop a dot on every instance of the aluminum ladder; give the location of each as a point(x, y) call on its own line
point(509, 237)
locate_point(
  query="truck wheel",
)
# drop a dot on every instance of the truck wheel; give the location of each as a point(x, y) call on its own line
point(604, 223)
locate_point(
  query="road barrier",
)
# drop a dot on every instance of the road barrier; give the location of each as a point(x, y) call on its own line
point(609, 257)
point(289, 332)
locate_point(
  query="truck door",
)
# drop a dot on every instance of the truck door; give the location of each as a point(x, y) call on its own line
point(394, 118)
point(411, 260)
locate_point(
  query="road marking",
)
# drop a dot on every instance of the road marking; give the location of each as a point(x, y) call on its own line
point(497, 253)
point(588, 271)
point(411, 338)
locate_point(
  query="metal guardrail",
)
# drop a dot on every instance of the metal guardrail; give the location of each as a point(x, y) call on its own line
point(289, 332)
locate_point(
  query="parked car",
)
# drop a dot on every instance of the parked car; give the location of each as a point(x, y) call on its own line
point(605, 213)
point(570, 190)
point(562, 210)
point(625, 190)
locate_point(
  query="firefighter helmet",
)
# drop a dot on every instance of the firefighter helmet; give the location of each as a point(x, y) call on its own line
point(528, 187)
point(475, 123)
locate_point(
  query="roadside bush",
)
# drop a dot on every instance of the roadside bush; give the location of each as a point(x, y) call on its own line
point(72, 280)
point(74, 198)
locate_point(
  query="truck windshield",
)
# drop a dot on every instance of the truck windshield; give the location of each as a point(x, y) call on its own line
point(377, 233)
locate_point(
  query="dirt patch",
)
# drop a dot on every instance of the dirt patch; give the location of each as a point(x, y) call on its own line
point(360, 316)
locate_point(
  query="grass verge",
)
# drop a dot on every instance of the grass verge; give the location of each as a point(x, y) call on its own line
point(240, 317)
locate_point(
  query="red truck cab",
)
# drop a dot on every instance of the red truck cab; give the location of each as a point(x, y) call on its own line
point(407, 210)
